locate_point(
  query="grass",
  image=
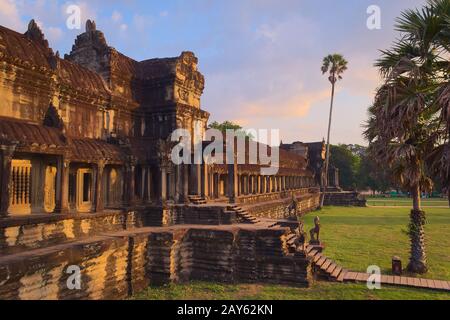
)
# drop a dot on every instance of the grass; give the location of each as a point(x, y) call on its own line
point(354, 237)
point(405, 202)
point(318, 291)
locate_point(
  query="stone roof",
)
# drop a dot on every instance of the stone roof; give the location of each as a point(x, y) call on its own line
point(82, 79)
point(34, 51)
point(21, 47)
point(29, 137)
point(154, 68)
point(86, 150)
point(289, 162)
point(26, 134)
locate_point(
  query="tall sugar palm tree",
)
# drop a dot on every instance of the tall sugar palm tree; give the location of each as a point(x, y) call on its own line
point(334, 65)
point(409, 126)
point(423, 56)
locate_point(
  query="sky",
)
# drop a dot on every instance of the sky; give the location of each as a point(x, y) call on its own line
point(261, 58)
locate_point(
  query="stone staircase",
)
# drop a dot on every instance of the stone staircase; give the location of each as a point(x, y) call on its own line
point(324, 267)
point(243, 214)
point(197, 200)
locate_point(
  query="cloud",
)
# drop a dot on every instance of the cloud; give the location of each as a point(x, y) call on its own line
point(267, 32)
point(116, 16)
point(141, 22)
point(9, 15)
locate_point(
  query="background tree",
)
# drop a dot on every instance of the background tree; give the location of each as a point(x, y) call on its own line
point(229, 125)
point(335, 65)
point(372, 176)
point(348, 163)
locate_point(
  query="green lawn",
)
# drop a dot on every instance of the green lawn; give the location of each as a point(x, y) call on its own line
point(354, 237)
point(402, 202)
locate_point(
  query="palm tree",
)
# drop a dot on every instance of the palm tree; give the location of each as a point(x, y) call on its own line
point(335, 65)
point(408, 128)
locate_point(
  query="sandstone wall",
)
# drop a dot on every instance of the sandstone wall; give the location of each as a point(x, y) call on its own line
point(204, 215)
point(115, 266)
point(349, 199)
point(20, 234)
point(277, 209)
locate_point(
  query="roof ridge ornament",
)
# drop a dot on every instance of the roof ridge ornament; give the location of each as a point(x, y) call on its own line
point(34, 33)
point(91, 26)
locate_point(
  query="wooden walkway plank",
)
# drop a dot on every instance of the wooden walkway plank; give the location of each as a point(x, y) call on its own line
point(404, 281)
point(321, 261)
point(390, 280)
point(350, 276)
point(397, 280)
point(439, 284)
point(313, 253)
point(342, 275)
point(384, 279)
point(336, 272)
point(331, 268)
point(430, 283)
point(362, 277)
point(317, 257)
point(423, 283)
point(416, 282)
point(326, 264)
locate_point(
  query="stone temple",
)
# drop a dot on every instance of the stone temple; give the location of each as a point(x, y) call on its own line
point(86, 179)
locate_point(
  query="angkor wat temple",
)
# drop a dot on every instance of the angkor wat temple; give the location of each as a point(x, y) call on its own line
point(86, 178)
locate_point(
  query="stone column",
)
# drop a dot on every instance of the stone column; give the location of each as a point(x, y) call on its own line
point(205, 182)
point(233, 180)
point(163, 185)
point(99, 205)
point(179, 184)
point(172, 184)
point(62, 186)
point(129, 194)
point(6, 160)
point(239, 185)
point(216, 185)
point(142, 191)
point(185, 183)
point(197, 179)
point(263, 184)
point(246, 185)
point(38, 184)
point(249, 184)
point(149, 184)
point(336, 178)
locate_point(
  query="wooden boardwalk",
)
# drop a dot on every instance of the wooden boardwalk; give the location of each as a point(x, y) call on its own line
point(331, 270)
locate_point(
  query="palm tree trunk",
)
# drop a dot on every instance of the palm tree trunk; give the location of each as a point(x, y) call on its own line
point(416, 198)
point(327, 157)
point(418, 259)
